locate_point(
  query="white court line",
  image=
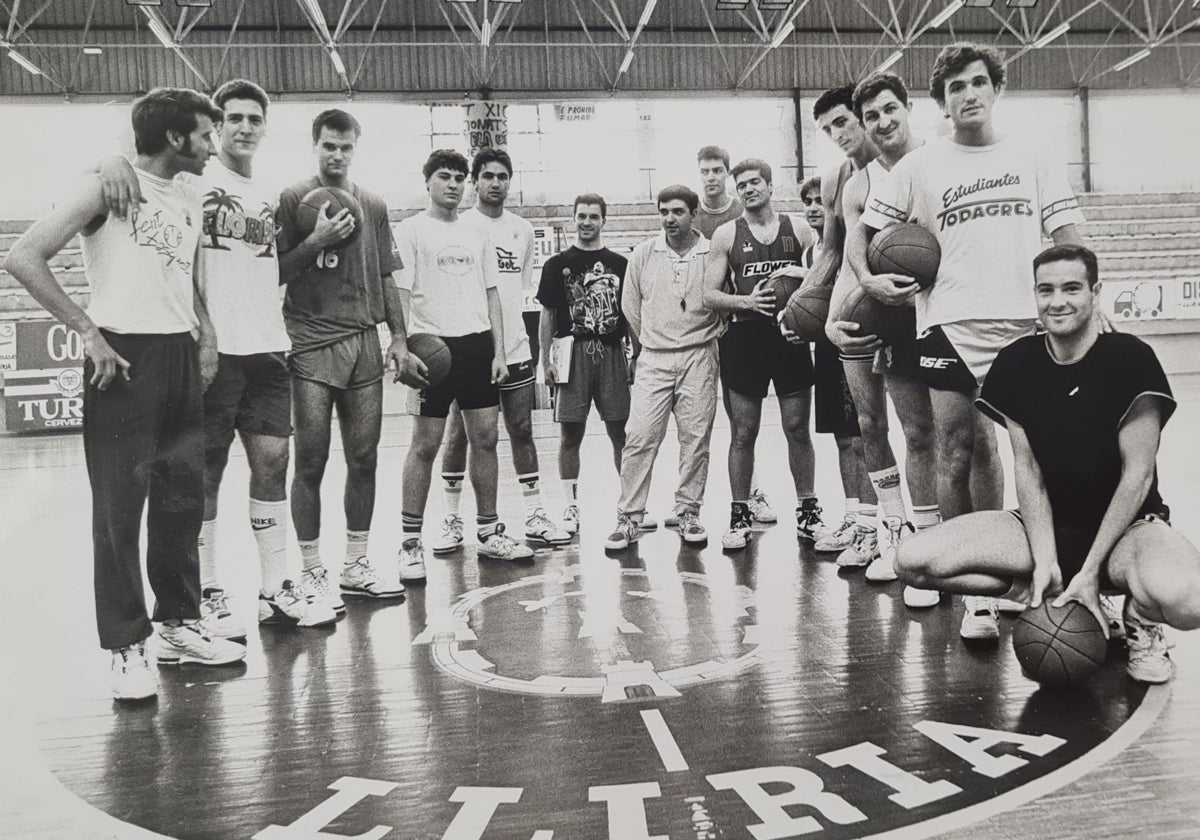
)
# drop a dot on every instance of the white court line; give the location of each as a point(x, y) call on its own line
point(672, 759)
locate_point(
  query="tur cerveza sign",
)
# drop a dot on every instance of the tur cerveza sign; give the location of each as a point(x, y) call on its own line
point(45, 388)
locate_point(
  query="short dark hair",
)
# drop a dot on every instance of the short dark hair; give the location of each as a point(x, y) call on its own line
point(713, 153)
point(954, 58)
point(1071, 253)
point(241, 89)
point(876, 84)
point(168, 109)
point(489, 155)
point(681, 193)
point(832, 98)
point(813, 183)
point(444, 159)
point(336, 120)
point(590, 198)
point(746, 165)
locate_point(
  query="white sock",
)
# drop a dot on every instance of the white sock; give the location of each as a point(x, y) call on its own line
point(571, 490)
point(851, 508)
point(356, 546)
point(452, 490)
point(310, 555)
point(887, 486)
point(531, 492)
point(269, 521)
point(925, 516)
point(866, 516)
point(207, 543)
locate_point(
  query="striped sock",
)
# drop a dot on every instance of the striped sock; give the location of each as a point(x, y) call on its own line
point(486, 525)
point(310, 555)
point(531, 492)
point(411, 523)
point(452, 489)
point(925, 516)
point(356, 546)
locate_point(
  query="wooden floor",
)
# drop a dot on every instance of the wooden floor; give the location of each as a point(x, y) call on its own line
point(664, 692)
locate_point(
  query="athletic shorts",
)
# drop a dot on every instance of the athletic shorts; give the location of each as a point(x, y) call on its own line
point(469, 382)
point(833, 407)
point(599, 374)
point(252, 394)
point(353, 362)
point(754, 354)
point(1073, 545)
point(957, 356)
point(899, 358)
point(519, 375)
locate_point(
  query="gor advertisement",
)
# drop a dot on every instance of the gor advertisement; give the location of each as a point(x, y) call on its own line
point(44, 388)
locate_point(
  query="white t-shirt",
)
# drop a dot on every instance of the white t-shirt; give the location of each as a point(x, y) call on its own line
point(448, 267)
point(239, 268)
point(140, 269)
point(988, 207)
point(513, 238)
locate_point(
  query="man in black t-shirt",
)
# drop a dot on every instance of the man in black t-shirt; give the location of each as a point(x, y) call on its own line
point(1084, 412)
point(580, 294)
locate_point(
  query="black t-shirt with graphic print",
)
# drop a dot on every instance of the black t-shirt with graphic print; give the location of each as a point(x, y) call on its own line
point(1072, 415)
point(584, 290)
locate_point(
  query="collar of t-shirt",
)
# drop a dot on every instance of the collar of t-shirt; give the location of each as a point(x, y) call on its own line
point(698, 249)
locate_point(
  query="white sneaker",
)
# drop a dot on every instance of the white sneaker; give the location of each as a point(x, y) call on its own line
point(863, 551)
point(1113, 612)
point(291, 605)
point(671, 520)
point(216, 615)
point(1009, 606)
point(500, 546)
point(883, 568)
point(921, 599)
point(1149, 661)
point(979, 618)
point(412, 560)
point(132, 678)
point(189, 642)
point(315, 582)
point(648, 523)
point(361, 579)
point(451, 538)
point(760, 508)
point(626, 532)
point(570, 519)
point(540, 529)
point(691, 530)
point(839, 539)
point(738, 535)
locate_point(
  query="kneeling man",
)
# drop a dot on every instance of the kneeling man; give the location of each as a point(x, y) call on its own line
point(1084, 412)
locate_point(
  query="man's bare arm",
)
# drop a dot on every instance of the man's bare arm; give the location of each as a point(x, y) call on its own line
point(716, 270)
point(828, 263)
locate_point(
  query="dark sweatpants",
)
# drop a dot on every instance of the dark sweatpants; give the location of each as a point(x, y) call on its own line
point(145, 438)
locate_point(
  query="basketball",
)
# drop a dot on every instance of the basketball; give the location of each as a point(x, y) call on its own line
point(339, 199)
point(1059, 645)
point(434, 353)
point(909, 249)
point(889, 323)
point(807, 311)
point(784, 288)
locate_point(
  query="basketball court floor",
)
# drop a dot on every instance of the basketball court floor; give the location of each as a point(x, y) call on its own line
point(664, 692)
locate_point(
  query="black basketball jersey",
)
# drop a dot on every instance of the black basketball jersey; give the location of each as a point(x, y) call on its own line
point(751, 260)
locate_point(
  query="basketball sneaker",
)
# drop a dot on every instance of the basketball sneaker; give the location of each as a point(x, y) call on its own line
point(189, 642)
point(1149, 661)
point(979, 618)
point(921, 599)
point(648, 523)
point(362, 580)
point(500, 546)
point(839, 539)
point(570, 519)
point(883, 567)
point(315, 582)
point(293, 606)
point(412, 561)
point(451, 538)
point(690, 528)
point(738, 535)
point(540, 529)
point(215, 613)
point(1008, 606)
point(671, 520)
point(809, 524)
point(1113, 612)
point(132, 678)
point(627, 531)
point(863, 551)
point(760, 508)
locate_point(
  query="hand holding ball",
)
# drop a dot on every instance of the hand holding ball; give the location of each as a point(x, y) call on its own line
point(908, 249)
point(324, 204)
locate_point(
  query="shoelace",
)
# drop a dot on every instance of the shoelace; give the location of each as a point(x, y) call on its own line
point(367, 571)
point(217, 602)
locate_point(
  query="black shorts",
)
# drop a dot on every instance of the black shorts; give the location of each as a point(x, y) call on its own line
point(252, 394)
point(519, 376)
point(941, 365)
point(833, 407)
point(755, 354)
point(469, 382)
point(899, 358)
point(1073, 545)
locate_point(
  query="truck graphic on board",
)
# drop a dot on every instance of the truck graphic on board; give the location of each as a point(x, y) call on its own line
point(1145, 300)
